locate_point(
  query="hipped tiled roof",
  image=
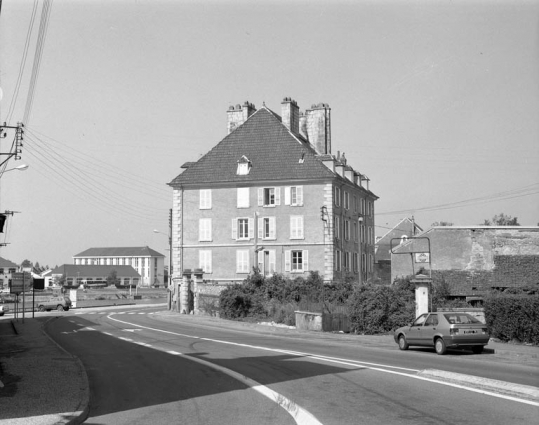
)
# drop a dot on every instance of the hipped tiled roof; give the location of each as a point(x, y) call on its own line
point(142, 251)
point(270, 147)
point(75, 270)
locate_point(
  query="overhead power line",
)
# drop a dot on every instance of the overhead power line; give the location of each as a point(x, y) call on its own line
point(520, 192)
point(42, 34)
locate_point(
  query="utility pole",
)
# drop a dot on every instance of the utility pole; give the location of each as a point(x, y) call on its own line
point(19, 132)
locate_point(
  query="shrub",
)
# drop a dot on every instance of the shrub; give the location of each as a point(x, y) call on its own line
point(239, 301)
point(513, 317)
point(380, 309)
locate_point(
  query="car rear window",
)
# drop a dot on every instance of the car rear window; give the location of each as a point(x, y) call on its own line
point(460, 318)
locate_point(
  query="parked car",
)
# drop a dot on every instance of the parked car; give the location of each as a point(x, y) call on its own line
point(3, 309)
point(443, 330)
point(62, 303)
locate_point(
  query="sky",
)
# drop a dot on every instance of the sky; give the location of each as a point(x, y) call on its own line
point(436, 101)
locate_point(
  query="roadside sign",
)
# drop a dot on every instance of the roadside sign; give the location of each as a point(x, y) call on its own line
point(422, 257)
point(20, 282)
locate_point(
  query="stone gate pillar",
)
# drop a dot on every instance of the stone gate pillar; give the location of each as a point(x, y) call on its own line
point(184, 292)
point(422, 289)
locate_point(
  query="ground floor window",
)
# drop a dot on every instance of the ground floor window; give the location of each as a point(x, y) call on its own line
point(242, 261)
point(296, 260)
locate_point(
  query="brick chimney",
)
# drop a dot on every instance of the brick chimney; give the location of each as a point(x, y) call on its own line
point(316, 127)
point(290, 114)
point(238, 115)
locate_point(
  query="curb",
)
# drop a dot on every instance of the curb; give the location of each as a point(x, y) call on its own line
point(508, 388)
point(78, 416)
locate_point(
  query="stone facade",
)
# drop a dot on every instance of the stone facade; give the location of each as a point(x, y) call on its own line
point(473, 260)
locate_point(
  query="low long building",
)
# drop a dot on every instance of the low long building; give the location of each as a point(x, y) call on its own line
point(86, 275)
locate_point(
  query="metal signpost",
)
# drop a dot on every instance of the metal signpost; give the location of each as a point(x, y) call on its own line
point(20, 282)
point(419, 253)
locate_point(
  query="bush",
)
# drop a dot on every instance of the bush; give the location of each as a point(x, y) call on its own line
point(380, 309)
point(239, 301)
point(513, 317)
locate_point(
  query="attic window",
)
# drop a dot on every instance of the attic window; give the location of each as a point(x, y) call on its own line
point(244, 166)
point(302, 159)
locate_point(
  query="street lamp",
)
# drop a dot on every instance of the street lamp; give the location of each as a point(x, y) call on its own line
point(21, 167)
point(169, 255)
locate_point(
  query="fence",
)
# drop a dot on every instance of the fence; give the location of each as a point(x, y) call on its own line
point(332, 317)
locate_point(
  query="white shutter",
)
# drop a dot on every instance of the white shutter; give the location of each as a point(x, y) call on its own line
point(260, 264)
point(243, 197)
point(260, 196)
point(277, 196)
point(238, 261)
point(272, 228)
point(300, 227)
point(251, 224)
point(260, 228)
point(272, 261)
point(287, 195)
point(287, 261)
point(305, 261)
point(299, 195)
point(235, 229)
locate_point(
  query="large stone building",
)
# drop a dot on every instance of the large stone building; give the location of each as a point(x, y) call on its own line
point(271, 195)
point(472, 259)
point(146, 261)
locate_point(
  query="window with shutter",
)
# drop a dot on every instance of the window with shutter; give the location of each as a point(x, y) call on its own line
point(242, 261)
point(243, 197)
point(269, 196)
point(204, 260)
point(205, 199)
point(294, 196)
point(296, 227)
point(204, 226)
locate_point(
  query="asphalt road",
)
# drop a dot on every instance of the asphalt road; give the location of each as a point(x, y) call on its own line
point(145, 369)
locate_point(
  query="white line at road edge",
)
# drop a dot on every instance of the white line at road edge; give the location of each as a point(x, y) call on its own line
point(300, 415)
point(346, 362)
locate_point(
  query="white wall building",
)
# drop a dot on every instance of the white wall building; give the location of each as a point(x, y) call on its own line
point(147, 262)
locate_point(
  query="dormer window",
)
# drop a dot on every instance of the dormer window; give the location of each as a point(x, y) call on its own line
point(244, 166)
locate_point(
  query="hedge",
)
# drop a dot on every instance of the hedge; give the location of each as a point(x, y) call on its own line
point(513, 317)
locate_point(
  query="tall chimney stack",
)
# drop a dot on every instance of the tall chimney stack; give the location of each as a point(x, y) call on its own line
point(316, 127)
point(238, 115)
point(290, 114)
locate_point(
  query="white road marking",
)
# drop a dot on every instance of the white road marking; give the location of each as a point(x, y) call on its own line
point(300, 415)
point(354, 363)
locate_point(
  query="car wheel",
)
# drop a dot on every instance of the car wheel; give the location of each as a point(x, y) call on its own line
point(60, 308)
point(1, 314)
point(41, 308)
point(477, 349)
point(439, 346)
point(403, 345)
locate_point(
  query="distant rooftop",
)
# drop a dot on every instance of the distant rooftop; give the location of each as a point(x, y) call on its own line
point(142, 251)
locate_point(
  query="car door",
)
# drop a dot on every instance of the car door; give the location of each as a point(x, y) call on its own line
point(429, 329)
point(413, 336)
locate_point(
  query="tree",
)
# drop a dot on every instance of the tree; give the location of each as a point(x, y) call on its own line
point(26, 263)
point(112, 278)
point(441, 223)
point(502, 220)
